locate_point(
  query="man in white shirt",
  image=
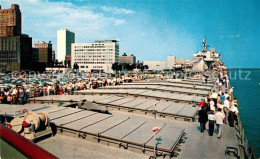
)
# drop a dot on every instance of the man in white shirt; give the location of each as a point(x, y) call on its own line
point(212, 104)
point(214, 95)
point(234, 109)
point(226, 95)
point(226, 109)
point(219, 121)
point(232, 115)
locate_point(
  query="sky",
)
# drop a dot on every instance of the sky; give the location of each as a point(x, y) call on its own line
point(152, 29)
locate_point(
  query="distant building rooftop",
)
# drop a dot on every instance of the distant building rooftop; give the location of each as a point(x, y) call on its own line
point(105, 41)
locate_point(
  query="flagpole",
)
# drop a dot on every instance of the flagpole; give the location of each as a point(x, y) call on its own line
point(154, 135)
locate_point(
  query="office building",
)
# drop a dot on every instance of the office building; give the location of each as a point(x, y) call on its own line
point(45, 52)
point(35, 55)
point(95, 57)
point(129, 59)
point(11, 21)
point(15, 47)
point(64, 40)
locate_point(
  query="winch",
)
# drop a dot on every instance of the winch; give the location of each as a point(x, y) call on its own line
point(32, 125)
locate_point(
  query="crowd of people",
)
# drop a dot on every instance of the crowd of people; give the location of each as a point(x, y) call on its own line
point(15, 95)
point(21, 94)
point(219, 108)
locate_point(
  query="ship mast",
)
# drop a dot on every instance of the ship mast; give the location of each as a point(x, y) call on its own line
point(204, 44)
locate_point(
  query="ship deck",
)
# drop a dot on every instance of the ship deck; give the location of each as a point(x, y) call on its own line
point(128, 126)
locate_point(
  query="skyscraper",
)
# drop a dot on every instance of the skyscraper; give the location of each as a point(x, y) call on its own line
point(10, 24)
point(64, 40)
point(15, 47)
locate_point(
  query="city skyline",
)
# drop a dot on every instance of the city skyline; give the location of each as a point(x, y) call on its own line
point(148, 29)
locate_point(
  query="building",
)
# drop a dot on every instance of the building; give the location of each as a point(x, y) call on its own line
point(53, 55)
point(127, 59)
point(68, 60)
point(161, 65)
point(15, 47)
point(35, 55)
point(45, 52)
point(95, 57)
point(11, 21)
point(64, 40)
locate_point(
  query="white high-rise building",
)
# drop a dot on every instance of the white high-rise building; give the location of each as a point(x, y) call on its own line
point(64, 40)
point(95, 57)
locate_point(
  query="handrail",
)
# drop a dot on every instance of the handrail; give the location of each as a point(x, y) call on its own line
point(28, 148)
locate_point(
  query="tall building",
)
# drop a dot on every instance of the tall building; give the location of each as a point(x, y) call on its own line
point(15, 47)
point(10, 21)
point(53, 55)
point(131, 59)
point(45, 52)
point(95, 57)
point(64, 40)
point(35, 55)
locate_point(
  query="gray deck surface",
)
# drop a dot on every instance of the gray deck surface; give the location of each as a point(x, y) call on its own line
point(174, 108)
point(107, 100)
point(143, 134)
point(176, 96)
point(63, 112)
point(82, 123)
point(121, 101)
point(124, 129)
point(74, 148)
point(72, 117)
point(105, 124)
point(187, 98)
point(147, 104)
point(161, 106)
point(168, 136)
point(188, 111)
point(134, 103)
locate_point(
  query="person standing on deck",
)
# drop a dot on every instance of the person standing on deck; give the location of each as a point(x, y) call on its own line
point(214, 96)
point(226, 109)
point(212, 119)
point(233, 115)
point(202, 103)
point(226, 95)
point(207, 100)
point(222, 97)
point(203, 118)
point(212, 105)
point(219, 121)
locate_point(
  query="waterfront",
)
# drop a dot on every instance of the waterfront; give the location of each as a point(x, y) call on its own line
point(247, 91)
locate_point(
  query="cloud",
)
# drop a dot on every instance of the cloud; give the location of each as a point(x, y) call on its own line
point(116, 10)
point(237, 36)
point(119, 22)
point(231, 36)
point(41, 19)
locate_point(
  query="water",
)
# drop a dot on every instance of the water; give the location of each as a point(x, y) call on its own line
point(247, 92)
